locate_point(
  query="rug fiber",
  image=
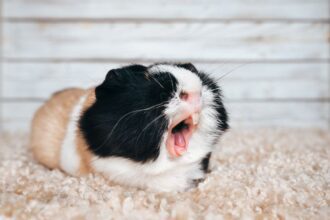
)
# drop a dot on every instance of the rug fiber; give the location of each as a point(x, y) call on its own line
point(259, 174)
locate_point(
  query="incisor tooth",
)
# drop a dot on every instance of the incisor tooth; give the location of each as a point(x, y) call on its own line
point(195, 118)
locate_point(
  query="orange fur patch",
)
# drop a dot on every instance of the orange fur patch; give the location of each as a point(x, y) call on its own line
point(49, 126)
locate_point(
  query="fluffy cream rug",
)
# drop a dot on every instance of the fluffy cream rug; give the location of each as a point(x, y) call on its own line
point(260, 174)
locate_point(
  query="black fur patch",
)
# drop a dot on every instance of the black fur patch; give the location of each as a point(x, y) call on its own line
point(205, 163)
point(222, 113)
point(127, 118)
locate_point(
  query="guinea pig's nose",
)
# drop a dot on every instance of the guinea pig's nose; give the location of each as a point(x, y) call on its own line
point(193, 99)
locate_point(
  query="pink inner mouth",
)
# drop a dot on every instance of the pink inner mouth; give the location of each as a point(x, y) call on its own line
point(179, 136)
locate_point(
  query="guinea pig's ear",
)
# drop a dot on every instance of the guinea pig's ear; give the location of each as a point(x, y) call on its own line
point(114, 78)
point(188, 66)
point(113, 75)
point(117, 79)
point(124, 74)
point(112, 81)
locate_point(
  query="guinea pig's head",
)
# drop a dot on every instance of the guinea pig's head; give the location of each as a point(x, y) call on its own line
point(141, 112)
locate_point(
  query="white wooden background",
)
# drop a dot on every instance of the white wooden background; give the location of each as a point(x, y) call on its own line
point(278, 52)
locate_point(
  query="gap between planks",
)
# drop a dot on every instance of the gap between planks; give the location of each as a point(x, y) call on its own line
point(124, 60)
point(159, 20)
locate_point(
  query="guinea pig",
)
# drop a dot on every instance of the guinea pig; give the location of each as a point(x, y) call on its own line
point(151, 127)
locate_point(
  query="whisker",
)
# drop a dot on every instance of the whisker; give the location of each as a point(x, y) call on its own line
point(157, 82)
point(124, 116)
point(141, 132)
point(171, 80)
point(151, 108)
point(148, 126)
point(231, 71)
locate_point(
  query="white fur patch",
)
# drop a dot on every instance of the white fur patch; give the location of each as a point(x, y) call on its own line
point(173, 177)
point(69, 159)
point(187, 80)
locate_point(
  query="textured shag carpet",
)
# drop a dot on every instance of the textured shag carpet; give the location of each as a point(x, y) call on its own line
point(260, 174)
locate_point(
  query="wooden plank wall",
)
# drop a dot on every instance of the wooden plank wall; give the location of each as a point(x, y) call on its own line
point(276, 50)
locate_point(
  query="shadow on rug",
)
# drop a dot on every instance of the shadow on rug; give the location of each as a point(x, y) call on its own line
point(274, 174)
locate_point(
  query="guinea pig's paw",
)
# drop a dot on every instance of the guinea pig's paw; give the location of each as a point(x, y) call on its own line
point(192, 184)
point(196, 182)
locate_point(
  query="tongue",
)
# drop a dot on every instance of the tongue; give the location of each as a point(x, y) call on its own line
point(179, 140)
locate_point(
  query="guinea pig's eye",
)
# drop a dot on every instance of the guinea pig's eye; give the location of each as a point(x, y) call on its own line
point(183, 95)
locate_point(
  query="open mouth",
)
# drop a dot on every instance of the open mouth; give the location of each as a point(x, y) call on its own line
point(180, 132)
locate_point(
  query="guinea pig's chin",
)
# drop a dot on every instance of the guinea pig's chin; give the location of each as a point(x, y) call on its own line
point(179, 134)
